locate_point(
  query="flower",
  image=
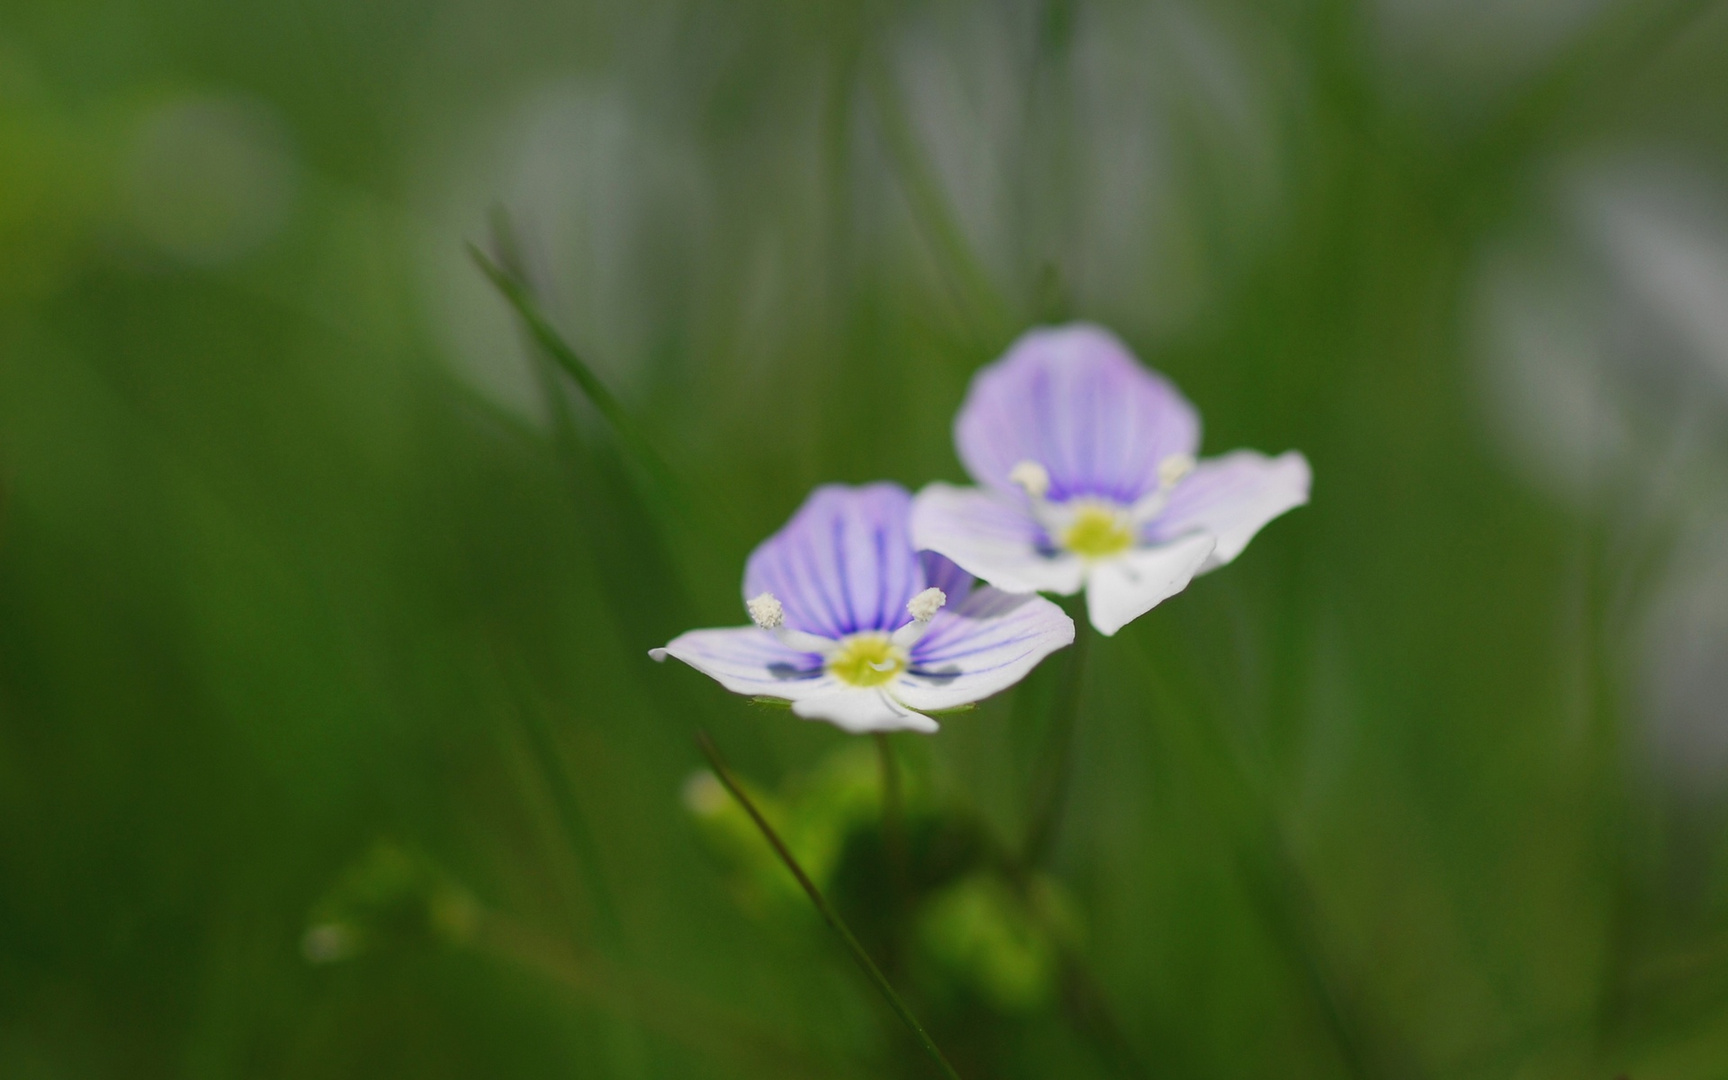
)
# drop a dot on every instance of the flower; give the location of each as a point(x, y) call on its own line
point(856, 627)
point(1089, 480)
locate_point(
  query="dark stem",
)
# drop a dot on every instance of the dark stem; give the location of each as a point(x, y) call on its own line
point(893, 821)
point(1050, 792)
point(829, 915)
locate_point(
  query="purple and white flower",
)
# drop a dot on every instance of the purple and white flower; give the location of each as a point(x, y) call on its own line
point(1090, 481)
point(857, 627)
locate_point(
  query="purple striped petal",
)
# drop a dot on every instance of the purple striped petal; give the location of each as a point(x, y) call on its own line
point(981, 647)
point(1123, 589)
point(940, 572)
point(858, 711)
point(746, 660)
point(1074, 400)
point(1232, 497)
point(992, 536)
point(844, 563)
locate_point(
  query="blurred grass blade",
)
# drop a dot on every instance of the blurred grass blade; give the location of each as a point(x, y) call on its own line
point(1278, 888)
point(1621, 39)
point(642, 540)
point(663, 482)
point(665, 1008)
point(832, 917)
point(535, 728)
point(977, 297)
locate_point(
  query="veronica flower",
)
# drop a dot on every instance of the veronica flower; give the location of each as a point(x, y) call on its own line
point(856, 627)
point(1089, 480)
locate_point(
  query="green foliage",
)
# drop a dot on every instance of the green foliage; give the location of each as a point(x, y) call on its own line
point(1002, 944)
point(306, 540)
point(389, 897)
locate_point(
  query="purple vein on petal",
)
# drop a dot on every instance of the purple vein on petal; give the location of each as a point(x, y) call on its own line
point(843, 572)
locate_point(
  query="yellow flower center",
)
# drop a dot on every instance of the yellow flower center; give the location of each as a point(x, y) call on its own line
point(1097, 531)
point(867, 659)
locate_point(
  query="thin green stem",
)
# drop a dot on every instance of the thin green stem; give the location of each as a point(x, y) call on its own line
point(832, 917)
point(1050, 792)
point(893, 820)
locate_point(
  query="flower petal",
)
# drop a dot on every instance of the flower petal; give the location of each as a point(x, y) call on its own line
point(992, 536)
point(1121, 590)
point(746, 660)
point(941, 572)
point(1233, 497)
point(1076, 401)
point(844, 563)
point(982, 647)
point(859, 710)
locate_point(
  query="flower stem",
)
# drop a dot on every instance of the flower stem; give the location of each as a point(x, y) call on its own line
point(893, 820)
point(832, 917)
point(1050, 792)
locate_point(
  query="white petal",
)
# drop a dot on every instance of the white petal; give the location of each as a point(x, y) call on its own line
point(987, 644)
point(748, 660)
point(1122, 589)
point(991, 537)
point(859, 710)
point(1233, 497)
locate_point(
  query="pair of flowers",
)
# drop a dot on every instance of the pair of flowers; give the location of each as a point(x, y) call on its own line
point(865, 609)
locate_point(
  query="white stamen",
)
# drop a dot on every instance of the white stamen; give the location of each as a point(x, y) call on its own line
point(922, 608)
point(1150, 506)
point(1174, 468)
point(926, 604)
point(766, 612)
point(1030, 477)
point(1034, 480)
point(1171, 470)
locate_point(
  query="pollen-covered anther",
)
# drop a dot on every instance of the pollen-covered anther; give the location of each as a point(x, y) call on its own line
point(1030, 477)
point(766, 612)
point(922, 608)
point(926, 604)
point(1173, 468)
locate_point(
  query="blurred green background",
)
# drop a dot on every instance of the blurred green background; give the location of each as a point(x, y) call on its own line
point(329, 745)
